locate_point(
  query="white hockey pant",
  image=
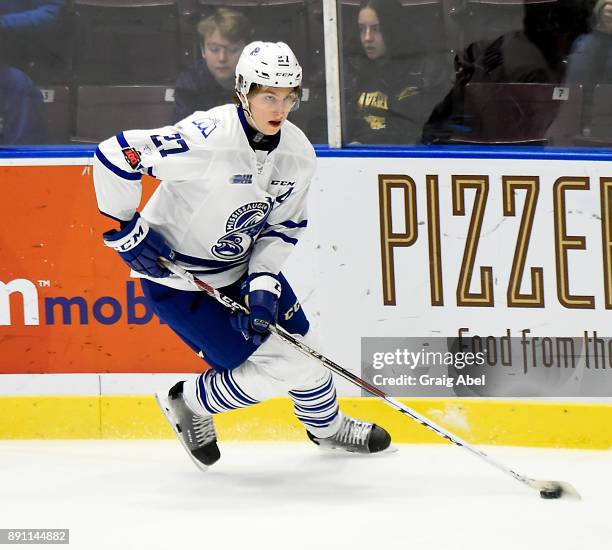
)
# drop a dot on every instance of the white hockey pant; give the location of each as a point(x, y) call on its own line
point(274, 369)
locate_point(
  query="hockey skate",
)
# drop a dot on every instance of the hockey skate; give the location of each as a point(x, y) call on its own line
point(196, 433)
point(355, 436)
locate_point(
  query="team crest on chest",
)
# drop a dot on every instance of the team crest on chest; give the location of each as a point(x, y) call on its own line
point(242, 226)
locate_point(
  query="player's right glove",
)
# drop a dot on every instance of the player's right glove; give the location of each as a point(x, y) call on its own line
point(261, 292)
point(140, 247)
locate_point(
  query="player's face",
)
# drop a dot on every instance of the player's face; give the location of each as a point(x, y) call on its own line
point(369, 31)
point(605, 14)
point(271, 106)
point(221, 57)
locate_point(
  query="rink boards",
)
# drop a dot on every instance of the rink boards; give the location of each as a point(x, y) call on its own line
point(400, 243)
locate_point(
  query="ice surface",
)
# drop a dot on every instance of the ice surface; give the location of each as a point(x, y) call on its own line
point(148, 495)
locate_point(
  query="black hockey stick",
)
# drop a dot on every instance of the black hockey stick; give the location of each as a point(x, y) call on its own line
point(547, 489)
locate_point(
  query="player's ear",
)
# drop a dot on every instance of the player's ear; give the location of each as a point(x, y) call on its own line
point(243, 100)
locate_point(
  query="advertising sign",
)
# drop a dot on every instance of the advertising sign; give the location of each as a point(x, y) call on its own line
point(67, 304)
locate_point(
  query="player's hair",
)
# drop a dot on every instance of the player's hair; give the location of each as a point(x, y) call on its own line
point(258, 87)
point(390, 16)
point(231, 24)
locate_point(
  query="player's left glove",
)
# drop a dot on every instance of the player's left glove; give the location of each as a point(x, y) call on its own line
point(261, 292)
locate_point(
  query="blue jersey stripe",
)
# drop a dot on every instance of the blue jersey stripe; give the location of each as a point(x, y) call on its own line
point(213, 271)
point(115, 169)
point(218, 396)
point(194, 260)
point(318, 407)
point(289, 224)
point(122, 141)
point(320, 422)
point(280, 236)
point(232, 391)
point(201, 394)
point(238, 390)
point(309, 394)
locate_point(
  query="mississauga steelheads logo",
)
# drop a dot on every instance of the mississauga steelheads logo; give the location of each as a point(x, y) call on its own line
point(243, 226)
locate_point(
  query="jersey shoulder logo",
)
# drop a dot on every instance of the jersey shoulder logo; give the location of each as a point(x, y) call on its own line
point(206, 125)
point(132, 157)
point(243, 226)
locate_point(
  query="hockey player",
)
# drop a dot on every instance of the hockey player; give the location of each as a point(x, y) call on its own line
point(230, 208)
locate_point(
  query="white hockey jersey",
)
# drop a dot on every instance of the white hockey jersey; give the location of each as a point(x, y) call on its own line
point(221, 206)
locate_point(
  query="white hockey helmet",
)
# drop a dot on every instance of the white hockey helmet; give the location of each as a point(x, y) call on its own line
point(268, 64)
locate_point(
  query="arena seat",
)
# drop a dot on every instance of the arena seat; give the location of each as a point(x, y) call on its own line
point(528, 114)
point(58, 113)
point(102, 111)
point(126, 42)
point(597, 130)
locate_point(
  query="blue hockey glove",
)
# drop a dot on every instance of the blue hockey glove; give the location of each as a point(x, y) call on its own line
point(261, 292)
point(140, 247)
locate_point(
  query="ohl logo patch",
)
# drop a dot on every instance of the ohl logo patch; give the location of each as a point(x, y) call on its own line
point(242, 226)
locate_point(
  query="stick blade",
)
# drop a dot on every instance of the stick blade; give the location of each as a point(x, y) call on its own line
point(555, 489)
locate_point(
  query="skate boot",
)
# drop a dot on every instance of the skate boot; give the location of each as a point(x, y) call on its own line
point(196, 433)
point(355, 436)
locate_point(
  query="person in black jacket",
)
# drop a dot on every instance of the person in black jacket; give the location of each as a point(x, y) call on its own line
point(590, 61)
point(389, 87)
point(210, 82)
point(534, 55)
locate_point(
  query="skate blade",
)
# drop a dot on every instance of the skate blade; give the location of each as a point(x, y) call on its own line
point(163, 404)
point(339, 450)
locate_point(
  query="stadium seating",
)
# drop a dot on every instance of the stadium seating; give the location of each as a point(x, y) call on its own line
point(43, 53)
point(113, 62)
point(597, 131)
point(424, 21)
point(58, 112)
point(528, 114)
point(102, 111)
point(489, 19)
point(126, 41)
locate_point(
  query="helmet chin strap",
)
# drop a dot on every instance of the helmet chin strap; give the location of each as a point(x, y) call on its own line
point(246, 108)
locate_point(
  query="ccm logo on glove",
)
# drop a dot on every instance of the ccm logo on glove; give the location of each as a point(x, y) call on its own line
point(140, 247)
point(132, 239)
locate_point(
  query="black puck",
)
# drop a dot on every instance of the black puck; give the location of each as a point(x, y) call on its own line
point(551, 493)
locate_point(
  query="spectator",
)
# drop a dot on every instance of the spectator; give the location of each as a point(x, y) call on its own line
point(210, 82)
point(533, 55)
point(29, 15)
point(389, 88)
point(21, 109)
point(31, 32)
point(590, 61)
